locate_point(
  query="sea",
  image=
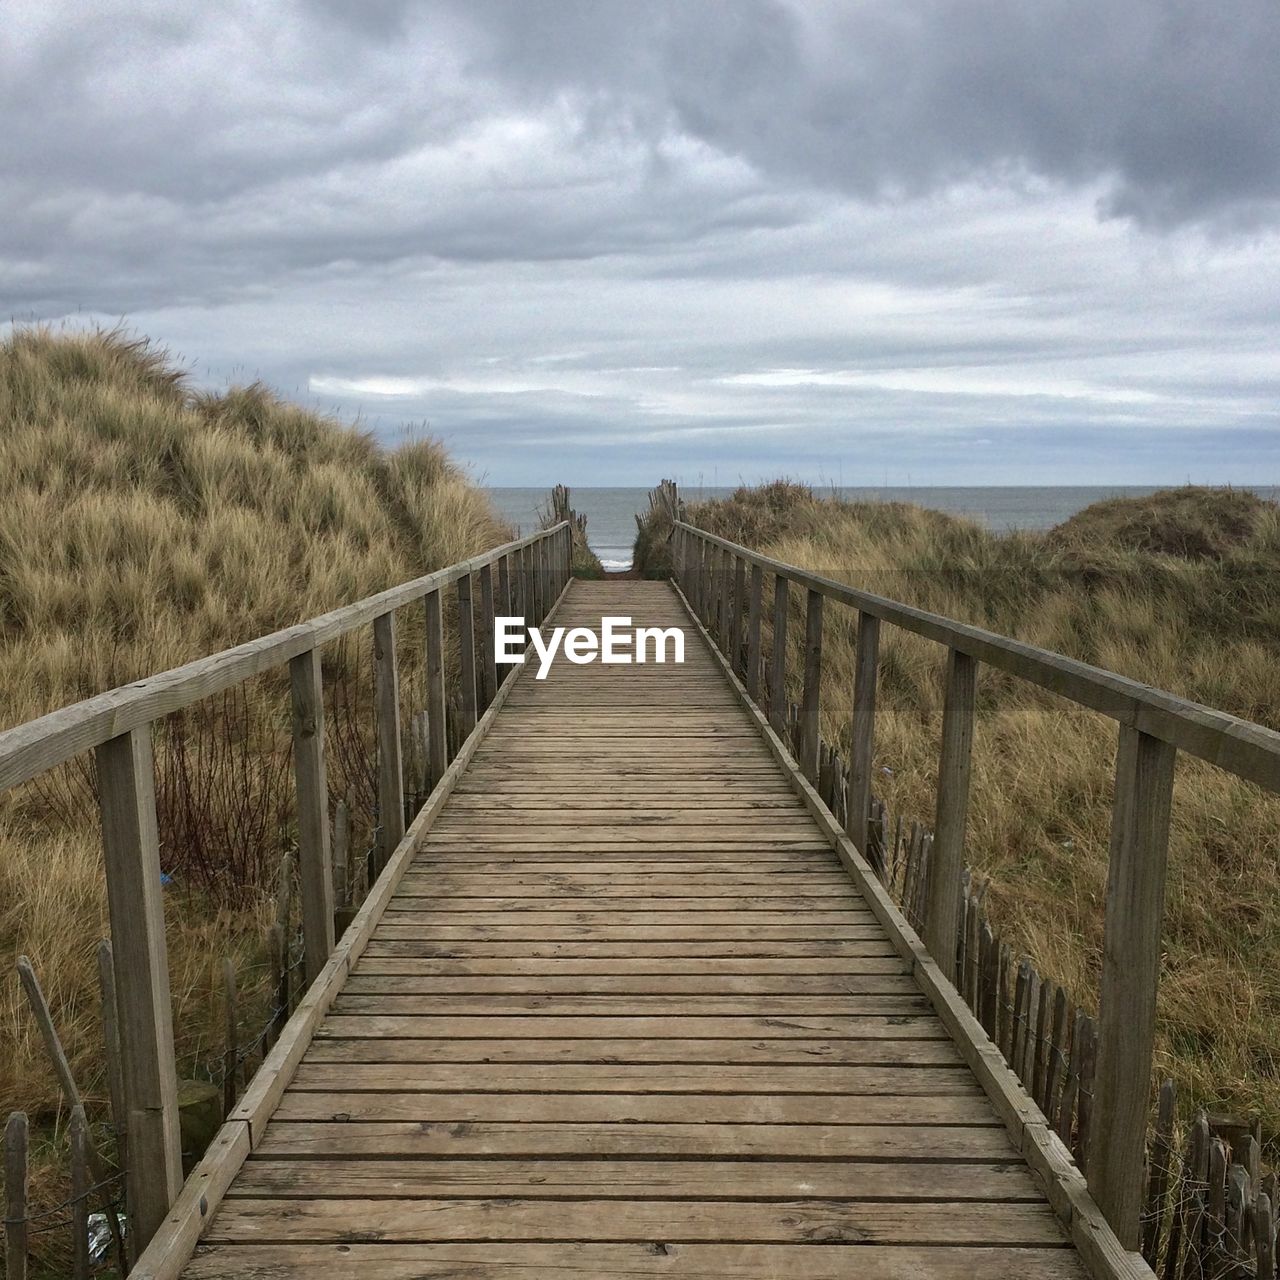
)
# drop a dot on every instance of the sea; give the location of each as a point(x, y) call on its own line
point(611, 512)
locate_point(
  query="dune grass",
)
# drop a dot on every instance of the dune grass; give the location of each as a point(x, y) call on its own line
point(1180, 591)
point(143, 524)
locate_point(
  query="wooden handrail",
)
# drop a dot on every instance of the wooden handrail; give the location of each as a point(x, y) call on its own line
point(1154, 725)
point(1248, 750)
point(118, 725)
point(38, 745)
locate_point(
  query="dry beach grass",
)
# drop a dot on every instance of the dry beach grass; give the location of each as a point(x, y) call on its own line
point(143, 524)
point(1182, 592)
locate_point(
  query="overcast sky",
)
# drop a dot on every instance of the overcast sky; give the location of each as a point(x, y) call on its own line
point(869, 241)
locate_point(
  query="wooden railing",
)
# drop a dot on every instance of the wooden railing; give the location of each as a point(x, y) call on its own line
point(117, 727)
point(1153, 727)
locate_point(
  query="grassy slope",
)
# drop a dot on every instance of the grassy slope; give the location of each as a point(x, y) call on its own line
point(1181, 592)
point(142, 525)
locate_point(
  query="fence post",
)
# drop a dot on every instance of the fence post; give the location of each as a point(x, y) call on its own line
point(739, 613)
point(1136, 876)
point(131, 848)
point(947, 861)
point(778, 659)
point(315, 874)
point(386, 679)
point(810, 698)
point(16, 1138)
point(467, 654)
point(722, 598)
point(437, 742)
point(754, 610)
point(488, 668)
point(862, 748)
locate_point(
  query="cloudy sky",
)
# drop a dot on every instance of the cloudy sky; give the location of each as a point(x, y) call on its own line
point(869, 241)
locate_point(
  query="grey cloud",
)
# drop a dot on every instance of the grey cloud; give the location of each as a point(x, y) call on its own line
point(589, 230)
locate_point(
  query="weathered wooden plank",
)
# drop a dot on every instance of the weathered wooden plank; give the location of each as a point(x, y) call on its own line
point(894, 983)
point(558, 1139)
point(812, 686)
point(332, 1048)
point(16, 1183)
point(387, 711)
point(979, 1223)
point(131, 847)
point(329, 1178)
point(947, 854)
point(617, 1006)
point(1130, 973)
point(866, 669)
point(490, 1261)
point(437, 740)
point(315, 871)
point(467, 655)
point(778, 655)
point(645, 1026)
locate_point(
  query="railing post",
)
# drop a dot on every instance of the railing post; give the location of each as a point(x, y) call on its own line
point(16, 1175)
point(131, 849)
point(739, 612)
point(437, 740)
point(386, 692)
point(504, 587)
point(866, 668)
point(488, 668)
point(1136, 877)
point(541, 564)
point(811, 696)
point(754, 610)
point(725, 599)
point(467, 654)
point(946, 861)
point(315, 874)
point(778, 658)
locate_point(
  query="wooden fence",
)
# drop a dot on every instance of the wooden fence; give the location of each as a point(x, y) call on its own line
point(725, 583)
point(522, 578)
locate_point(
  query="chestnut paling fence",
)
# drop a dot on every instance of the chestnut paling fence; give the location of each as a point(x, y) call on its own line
point(1092, 1081)
point(522, 578)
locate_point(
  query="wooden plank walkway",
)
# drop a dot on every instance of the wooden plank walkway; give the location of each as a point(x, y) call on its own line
point(626, 1015)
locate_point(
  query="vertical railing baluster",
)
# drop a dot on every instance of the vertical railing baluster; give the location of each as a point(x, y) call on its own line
point(862, 747)
point(386, 695)
point(739, 613)
point(947, 861)
point(437, 739)
point(131, 849)
point(754, 610)
point(484, 638)
point(725, 598)
point(811, 695)
point(467, 654)
point(315, 874)
point(778, 658)
point(1136, 876)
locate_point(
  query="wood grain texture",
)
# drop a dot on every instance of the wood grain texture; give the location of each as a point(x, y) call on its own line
point(131, 848)
point(315, 870)
point(623, 998)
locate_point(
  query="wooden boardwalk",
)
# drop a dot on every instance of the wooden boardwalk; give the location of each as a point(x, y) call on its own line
point(627, 1015)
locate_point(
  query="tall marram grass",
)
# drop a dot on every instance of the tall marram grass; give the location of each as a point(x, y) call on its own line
point(1180, 591)
point(144, 524)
